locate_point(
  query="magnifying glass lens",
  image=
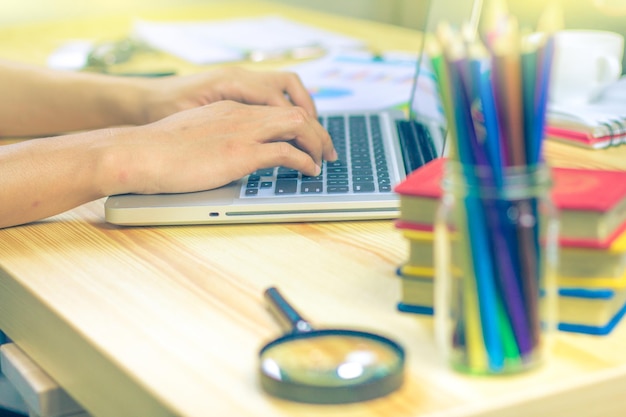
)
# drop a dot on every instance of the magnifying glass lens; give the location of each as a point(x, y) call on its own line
point(330, 360)
point(331, 367)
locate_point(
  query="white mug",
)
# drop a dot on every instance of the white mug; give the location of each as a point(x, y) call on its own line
point(585, 63)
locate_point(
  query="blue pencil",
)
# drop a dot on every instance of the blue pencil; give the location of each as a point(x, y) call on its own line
point(477, 229)
point(485, 282)
point(529, 95)
point(550, 21)
point(512, 282)
point(481, 73)
point(493, 250)
point(546, 53)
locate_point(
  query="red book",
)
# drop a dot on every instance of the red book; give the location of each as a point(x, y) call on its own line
point(424, 181)
point(591, 203)
point(580, 138)
point(419, 196)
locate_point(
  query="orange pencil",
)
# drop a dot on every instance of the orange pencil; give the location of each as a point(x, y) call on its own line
point(507, 78)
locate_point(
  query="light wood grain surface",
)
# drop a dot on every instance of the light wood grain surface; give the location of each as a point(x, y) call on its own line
point(162, 321)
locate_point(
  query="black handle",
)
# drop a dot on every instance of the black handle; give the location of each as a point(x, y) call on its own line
point(286, 315)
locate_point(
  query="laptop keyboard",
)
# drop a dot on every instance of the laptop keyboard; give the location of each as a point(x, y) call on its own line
point(360, 168)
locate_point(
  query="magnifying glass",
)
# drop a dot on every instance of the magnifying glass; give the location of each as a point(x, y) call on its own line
point(327, 366)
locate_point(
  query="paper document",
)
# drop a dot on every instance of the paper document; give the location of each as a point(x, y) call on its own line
point(360, 81)
point(206, 42)
point(598, 124)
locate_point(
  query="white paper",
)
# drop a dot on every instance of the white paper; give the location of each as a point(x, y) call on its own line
point(206, 42)
point(609, 107)
point(358, 81)
point(72, 55)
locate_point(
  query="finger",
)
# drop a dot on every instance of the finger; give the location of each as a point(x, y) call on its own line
point(273, 154)
point(294, 124)
point(297, 92)
point(274, 97)
point(283, 89)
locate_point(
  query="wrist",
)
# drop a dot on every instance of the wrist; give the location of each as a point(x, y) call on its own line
point(128, 100)
point(119, 163)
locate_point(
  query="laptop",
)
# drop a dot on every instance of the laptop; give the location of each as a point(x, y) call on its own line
point(377, 149)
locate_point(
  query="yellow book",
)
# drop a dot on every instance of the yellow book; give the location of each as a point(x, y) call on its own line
point(580, 310)
point(592, 311)
point(592, 263)
point(421, 248)
point(417, 291)
point(419, 193)
point(611, 283)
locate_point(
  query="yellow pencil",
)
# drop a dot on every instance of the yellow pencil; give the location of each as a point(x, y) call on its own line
point(477, 361)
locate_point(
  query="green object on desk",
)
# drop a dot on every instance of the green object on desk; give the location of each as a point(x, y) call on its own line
point(143, 74)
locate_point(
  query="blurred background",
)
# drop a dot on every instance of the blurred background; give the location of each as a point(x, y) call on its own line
point(579, 14)
point(593, 14)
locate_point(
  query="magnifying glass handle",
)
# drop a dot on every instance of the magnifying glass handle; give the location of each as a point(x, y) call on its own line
point(286, 315)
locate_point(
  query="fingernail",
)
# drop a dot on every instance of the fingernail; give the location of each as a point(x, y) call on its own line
point(318, 170)
point(335, 156)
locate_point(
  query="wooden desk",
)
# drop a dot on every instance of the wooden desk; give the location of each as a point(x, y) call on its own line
point(168, 321)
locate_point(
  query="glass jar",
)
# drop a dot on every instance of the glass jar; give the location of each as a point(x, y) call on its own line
point(496, 247)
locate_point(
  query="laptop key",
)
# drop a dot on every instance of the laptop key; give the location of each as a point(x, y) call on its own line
point(363, 187)
point(252, 191)
point(312, 187)
point(337, 176)
point(267, 172)
point(306, 178)
point(338, 189)
point(336, 164)
point(287, 176)
point(286, 186)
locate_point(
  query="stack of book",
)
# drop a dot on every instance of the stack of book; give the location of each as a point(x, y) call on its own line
point(419, 197)
point(591, 274)
point(592, 267)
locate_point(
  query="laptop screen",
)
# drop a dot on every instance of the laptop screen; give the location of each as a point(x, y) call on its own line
point(457, 13)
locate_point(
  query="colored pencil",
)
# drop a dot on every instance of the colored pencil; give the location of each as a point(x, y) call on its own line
point(507, 79)
point(495, 97)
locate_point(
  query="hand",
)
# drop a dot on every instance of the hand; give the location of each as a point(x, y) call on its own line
point(210, 146)
point(172, 94)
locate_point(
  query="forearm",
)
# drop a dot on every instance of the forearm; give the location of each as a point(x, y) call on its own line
point(43, 177)
point(37, 101)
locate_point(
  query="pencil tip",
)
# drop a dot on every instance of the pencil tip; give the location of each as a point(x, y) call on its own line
point(551, 20)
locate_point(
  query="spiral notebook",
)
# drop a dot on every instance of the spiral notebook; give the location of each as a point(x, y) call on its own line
point(596, 125)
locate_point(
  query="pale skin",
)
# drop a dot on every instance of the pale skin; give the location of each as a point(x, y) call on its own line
point(132, 135)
